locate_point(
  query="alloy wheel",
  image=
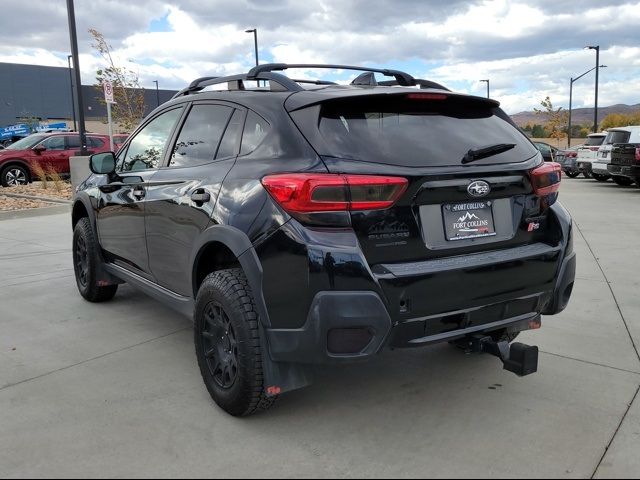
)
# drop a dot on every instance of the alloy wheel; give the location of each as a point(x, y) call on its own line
point(16, 177)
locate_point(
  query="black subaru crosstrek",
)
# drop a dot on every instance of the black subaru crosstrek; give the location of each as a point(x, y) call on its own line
point(303, 223)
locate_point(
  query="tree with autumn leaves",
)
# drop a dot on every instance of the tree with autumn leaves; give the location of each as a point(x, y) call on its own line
point(128, 110)
point(556, 119)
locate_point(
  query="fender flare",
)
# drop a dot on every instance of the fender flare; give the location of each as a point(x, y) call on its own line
point(240, 245)
point(84, 199)
point(17, 161)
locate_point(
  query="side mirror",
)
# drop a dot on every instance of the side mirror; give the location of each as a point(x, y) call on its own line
point(103, 163)
point(39, 149)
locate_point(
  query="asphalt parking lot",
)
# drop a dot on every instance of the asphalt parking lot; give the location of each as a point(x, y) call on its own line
point(113, 390)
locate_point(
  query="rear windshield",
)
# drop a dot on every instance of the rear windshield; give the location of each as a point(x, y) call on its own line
point(617, 136)
point(595, 141)
point(397, 130)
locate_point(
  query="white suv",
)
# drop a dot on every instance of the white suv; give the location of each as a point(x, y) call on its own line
point(614, 135)
point(587, 153)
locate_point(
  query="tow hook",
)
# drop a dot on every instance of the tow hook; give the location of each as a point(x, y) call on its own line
point(518, 358)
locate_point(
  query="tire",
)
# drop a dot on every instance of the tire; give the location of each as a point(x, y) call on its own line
point(85, 264)
point(599, 177)
point(14, 175)
point(623, 181)
point(572, 174)
point(587, 174)
point(227, 343)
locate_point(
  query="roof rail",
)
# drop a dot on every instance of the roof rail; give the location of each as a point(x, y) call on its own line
point(402, 78)
point(282, 83)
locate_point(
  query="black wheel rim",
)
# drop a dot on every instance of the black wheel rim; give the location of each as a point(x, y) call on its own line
point(82, 261)
point(220, 346)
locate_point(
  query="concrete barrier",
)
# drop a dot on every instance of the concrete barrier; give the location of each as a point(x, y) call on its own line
point(79, 170)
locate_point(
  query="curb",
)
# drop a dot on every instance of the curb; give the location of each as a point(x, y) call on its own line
point(32, 197)
point(35, 212)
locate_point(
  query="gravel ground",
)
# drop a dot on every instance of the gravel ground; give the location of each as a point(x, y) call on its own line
point(11, 204)
point(62, 190)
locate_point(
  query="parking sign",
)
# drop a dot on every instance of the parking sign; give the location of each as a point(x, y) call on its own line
point(108, 91)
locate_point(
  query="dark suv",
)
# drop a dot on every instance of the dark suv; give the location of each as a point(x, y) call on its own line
point(303, 223)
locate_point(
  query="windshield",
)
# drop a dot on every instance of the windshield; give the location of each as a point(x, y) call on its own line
point(26, 142)
point(402, 131)
point(595, 141)
point(617, 136)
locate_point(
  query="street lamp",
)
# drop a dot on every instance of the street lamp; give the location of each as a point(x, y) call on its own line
point(73, 37)
point(571, 97)
point(486, 80)
point(595, 112)
point(157, 92)
point(255, 40)
point(73, 102)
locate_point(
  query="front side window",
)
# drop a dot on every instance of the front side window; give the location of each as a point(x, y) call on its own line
point(146, 150)
point(54, 143)
point(200, 135)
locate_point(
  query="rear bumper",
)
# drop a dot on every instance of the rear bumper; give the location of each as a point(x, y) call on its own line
point(631, 171)
point(358, 323)
point(600, 168)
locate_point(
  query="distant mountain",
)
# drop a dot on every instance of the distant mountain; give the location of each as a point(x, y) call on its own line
point(579, 116)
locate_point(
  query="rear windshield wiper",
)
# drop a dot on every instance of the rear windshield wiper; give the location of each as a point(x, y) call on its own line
point(484, 152)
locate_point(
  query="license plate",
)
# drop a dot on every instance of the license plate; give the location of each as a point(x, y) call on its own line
point(468, 220)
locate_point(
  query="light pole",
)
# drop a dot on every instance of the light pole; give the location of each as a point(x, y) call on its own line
point(73, 102)
point(73, 37)
point(595, 111)
point(486, 80)
point(255, 41)
point(157, 92)
point(571, 97)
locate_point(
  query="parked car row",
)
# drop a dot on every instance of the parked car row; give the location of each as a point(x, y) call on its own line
point(613, 154)
point(21, 162)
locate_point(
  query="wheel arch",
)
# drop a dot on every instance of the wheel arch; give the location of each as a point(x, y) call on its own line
point(17, 162)
point(222, 246)
point(82, 208)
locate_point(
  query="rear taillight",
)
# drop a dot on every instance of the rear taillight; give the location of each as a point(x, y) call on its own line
point(637, 154)
point(594, 149)
point(318, 192)
point(546, 178)
point(572, 154)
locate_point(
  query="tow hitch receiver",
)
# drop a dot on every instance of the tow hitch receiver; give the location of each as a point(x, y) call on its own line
point(518, 358)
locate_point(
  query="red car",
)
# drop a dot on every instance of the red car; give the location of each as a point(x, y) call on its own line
point(49, 150)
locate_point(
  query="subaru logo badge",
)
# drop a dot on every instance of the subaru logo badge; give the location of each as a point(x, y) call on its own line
point(479, 188)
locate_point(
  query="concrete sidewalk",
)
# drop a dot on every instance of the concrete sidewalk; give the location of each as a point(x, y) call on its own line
point(114, 389)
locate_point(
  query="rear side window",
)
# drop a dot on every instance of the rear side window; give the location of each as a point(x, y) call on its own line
point(398, 130)
point(95, 142)
point(200, 136)
point(73, 141)
point(255, 129)
point(617, 136)
point(594, 141)
point(231, 139)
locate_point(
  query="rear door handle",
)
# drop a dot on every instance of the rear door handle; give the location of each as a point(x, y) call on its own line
point(200, 196)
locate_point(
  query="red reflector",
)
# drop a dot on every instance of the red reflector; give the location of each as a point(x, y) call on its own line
point(546, 178)
point(594, 149)
point(638, 154)
point(427, 96)
point(273, 391)
point(326, 192)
